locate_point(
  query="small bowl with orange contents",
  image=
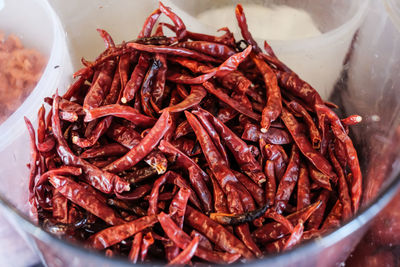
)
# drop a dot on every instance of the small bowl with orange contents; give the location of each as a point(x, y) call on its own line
point(34, 59)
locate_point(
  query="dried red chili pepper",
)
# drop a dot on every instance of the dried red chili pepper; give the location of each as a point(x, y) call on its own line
point(148, 143)
point(115, 234)
point(212, 49)
point(197, 93)
point(184, 257)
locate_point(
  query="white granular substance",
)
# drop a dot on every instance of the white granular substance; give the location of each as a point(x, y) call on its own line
point(268, 23)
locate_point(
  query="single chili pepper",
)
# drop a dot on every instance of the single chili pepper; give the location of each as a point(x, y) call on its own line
point(137, 193)
point(278, 155)
point(237, 146)
point(226, 67)
point(181, 159)
point(351, 120)
point(147, 241)
point(197, 93)
point(276, 230)
point(317, 218)
point(216, 233)
point(185, 256)
point(108, 41)
point(82, 197)
point(149, 24)
point(112, 149)
point(146, 145)
point(274, 99)
point(235, 219)
point(135, 249)
point(242, 22)
point(153, 200)
point(270, 184)
point(226, 39)
point(177, 210)
point(303, 188)
point(173, 51)
point(74, 88)
point(103, 181)
point(256, 191)
point(231, 102)
point(137, 76)
point(123, 72)
point(41, 129)
point(63, 170)
point(115, 234)
point(99, 89)
point(182, 240)
point(209, 48)
point(121, 111)
point(352, 158)
point(313, 130)
point(94, 136)
point(304, 145)
point(180, 28)
point(288, 181)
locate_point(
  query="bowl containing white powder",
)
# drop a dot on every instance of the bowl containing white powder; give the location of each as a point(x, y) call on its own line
point(312, 37)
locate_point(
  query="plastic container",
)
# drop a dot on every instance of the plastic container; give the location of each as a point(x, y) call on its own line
point(319, 59)
point(40, 30)
point(331, 250)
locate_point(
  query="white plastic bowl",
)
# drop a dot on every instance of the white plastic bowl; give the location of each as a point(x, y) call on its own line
point(37, 25)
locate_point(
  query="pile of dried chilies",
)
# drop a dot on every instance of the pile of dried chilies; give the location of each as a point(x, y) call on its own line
point(191, 148)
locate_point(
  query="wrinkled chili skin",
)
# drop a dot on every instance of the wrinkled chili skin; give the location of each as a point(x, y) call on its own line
point(144, 147)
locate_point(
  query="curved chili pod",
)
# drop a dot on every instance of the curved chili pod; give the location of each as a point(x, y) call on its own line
point(242, 22)
point(212, 49)
point(120, 111)
point(197, 93)
point(185, 256)
point(149, 24)
point(274, 99)
point(115, 234)
point(137, 76)
point(288, 181)
point(135, 249)
point(112, 149)
point(175, 51)
point(180, 28)
point(146, 145)
point(303, 188)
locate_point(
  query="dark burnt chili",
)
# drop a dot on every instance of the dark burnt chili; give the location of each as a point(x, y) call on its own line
point(190, 149)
